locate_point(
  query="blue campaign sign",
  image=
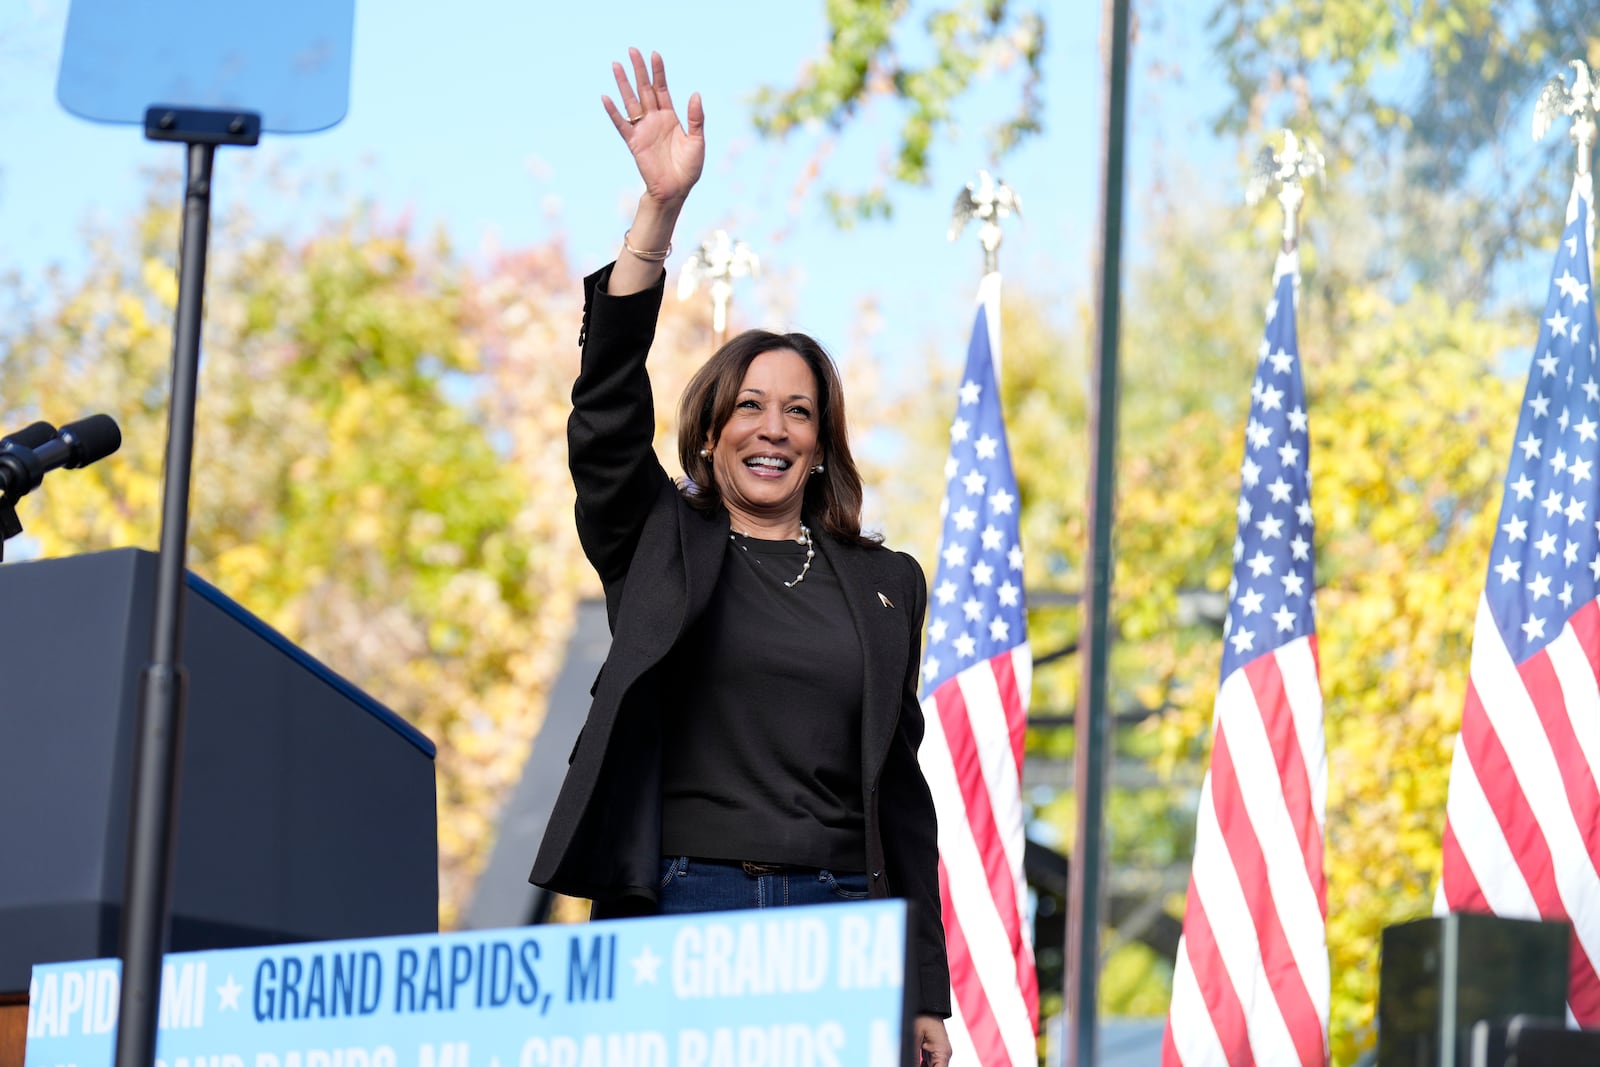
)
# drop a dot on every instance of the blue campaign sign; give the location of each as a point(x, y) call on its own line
point(779, 987)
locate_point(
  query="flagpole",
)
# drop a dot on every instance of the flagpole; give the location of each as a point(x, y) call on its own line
point(1091, 723)
point(718, 261)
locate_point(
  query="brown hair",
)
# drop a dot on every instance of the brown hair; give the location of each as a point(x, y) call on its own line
point(833, 498)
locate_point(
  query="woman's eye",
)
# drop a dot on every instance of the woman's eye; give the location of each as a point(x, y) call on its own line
point(804, 413)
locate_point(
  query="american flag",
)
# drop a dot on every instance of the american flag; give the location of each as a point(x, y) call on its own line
point(1250, 984)
point(1522, 821)
point(976, 674)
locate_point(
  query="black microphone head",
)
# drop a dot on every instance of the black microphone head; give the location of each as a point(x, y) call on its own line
point(31, 436)
point(90, 439)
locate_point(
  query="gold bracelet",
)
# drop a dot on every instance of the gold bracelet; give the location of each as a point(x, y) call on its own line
point(648, 257)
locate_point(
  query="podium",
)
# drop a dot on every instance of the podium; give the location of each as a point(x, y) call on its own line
point(306, 809)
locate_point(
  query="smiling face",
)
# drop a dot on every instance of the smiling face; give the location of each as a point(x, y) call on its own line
point(763, 455)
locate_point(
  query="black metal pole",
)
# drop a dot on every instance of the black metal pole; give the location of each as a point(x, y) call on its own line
point(1092, 721)
point(147, 889)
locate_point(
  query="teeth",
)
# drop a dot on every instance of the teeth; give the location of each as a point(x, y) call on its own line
point(770, 462)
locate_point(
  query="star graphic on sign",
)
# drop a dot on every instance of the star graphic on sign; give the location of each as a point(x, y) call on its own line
point(1008, 595)
point(972, 608)
point(970, 392)
point(1250, 602)
point(1547, 364)
point(955, 555)
point(1516, 529)
point(998, 628)
point(1271, 398)
point(1530, 446)
point(1534, 628)
point(966, 518)
point(965, 645)
point(1281, 362)
point(1284, 618)
point(986, 446)
point(228, 995)
point(1270, 527)
point(982, 574)
point(1523, 487)
point(1259, 564)
point(1289, 455)
point(974, 483)
point(1243, 640)
point(992, 539)
point(1000, 502)
point(1280, 490)
point(1293, 585)
point(645, 965)
point(1508, 569)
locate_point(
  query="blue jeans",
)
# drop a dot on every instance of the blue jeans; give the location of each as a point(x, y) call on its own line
point(689, 886)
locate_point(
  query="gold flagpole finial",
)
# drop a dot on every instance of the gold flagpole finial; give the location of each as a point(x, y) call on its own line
point(718, 261)
point(1288, 169)
point(990, 201)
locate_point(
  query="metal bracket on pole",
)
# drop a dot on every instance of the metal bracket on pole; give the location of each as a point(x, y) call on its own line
point(1288, 169)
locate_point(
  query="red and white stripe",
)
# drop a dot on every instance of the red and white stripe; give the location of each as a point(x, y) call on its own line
point(972, 758)
point(1522, 822)
point(1250, 984)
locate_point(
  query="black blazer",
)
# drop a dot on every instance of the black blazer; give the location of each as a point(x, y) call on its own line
point(658, 560)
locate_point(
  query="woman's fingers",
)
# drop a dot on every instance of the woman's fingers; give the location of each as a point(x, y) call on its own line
point(625, 93)
point(658, 75)
point(647, 95)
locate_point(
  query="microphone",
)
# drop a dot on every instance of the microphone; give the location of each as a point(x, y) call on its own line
point(78, 444)
point(31, 436)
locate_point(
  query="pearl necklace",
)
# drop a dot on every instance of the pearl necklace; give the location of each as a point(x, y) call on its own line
point(804, 539)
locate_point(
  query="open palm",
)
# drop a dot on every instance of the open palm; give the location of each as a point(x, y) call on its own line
point(669, 155)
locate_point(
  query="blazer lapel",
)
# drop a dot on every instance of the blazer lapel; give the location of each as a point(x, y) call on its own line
point(884, 646)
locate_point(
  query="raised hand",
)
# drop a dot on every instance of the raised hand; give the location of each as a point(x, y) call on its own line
point(669, 157)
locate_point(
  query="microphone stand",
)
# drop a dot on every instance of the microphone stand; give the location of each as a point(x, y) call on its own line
point(147, 886)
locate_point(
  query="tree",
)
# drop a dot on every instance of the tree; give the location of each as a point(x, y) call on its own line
point(866, 59)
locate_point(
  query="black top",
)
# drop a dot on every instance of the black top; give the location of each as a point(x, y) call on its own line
point(762, 743)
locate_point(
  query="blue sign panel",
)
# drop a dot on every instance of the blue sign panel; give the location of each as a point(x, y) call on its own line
point(779, 987)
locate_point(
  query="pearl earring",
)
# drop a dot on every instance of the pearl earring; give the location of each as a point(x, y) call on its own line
point(705, 453)
point(817, 469)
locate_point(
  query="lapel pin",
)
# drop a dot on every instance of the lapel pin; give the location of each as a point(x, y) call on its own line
point(886, 601)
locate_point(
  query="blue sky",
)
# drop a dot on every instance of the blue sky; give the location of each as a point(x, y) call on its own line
point(484, 118)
